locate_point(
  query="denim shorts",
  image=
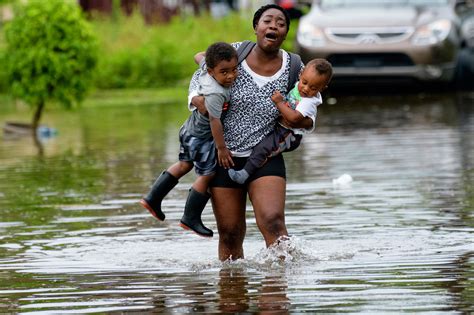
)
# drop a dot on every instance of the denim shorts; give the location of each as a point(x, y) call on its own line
point(202, 152)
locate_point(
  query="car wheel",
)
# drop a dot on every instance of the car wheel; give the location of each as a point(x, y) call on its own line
point(464, 76)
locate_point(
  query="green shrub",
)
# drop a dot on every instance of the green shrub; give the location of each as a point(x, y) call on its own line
point(142, 67)
point(135, 55)
point(51, 53)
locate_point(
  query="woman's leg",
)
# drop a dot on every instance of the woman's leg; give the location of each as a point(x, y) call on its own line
point(229, 209)
point(267, 195)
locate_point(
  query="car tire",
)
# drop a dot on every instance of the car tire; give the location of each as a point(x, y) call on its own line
point(464, 75)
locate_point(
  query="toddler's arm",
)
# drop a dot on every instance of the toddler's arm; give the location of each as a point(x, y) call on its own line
point(224, 157)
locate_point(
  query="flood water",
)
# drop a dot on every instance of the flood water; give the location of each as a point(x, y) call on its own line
point(399, 238)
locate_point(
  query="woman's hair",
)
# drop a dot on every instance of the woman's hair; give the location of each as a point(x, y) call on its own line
point(258, 14)
point(322, 66)
point(219, 51)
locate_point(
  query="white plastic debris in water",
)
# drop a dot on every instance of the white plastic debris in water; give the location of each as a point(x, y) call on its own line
point(331, 101)
point(342, 181)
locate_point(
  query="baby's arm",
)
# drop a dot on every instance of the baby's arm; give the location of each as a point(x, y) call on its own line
point(290, 115)
point(199, 56)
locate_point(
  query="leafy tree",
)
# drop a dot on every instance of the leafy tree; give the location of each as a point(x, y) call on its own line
point(51, 53)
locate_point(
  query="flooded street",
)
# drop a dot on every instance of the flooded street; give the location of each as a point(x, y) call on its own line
point(398, 238)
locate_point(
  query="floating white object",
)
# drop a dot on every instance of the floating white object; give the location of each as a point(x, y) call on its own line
point(344, 180)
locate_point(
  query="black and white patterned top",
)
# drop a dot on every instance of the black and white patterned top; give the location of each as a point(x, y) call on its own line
point(251, 114)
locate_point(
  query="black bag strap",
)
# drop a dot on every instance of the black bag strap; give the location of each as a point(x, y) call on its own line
point(295, 68)
point(295, 62)
point(244, 50)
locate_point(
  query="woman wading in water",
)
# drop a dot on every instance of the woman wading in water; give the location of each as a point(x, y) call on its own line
point(249, 118)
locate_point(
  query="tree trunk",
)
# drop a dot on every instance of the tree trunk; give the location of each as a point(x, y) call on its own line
point(157, 11)
point(128, 6)
point(103, 6)
point(198, 5)
point(36, 118)
point(34, 127)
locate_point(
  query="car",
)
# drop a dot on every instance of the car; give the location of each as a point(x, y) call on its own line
point(465, 71)
point(399, 39)
point(466, 12)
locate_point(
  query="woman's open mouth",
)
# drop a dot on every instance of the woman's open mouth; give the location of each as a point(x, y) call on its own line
point(271, 36)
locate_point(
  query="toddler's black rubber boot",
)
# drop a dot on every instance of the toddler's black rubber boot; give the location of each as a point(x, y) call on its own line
point(161, 187)
point(191, 219)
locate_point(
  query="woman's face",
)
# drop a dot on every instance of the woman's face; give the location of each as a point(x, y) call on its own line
point(271, 30)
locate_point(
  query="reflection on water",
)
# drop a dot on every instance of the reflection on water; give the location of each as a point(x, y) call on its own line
point(398, 238)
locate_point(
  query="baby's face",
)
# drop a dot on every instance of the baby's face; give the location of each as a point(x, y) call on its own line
point(225, 72)
point(311, 82)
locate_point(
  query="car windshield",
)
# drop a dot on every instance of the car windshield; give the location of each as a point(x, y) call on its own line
point(372, 3)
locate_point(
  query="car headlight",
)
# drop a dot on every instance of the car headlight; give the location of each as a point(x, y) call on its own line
point(310, 35)
point(467, 31)
point(432, 33)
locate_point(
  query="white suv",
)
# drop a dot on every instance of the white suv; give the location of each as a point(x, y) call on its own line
point(417, 39)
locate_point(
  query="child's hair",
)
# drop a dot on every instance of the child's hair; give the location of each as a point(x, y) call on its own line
point(322, 66)
point(218, 52)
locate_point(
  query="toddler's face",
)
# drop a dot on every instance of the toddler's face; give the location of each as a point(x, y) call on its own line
point(311, 82)
point(225, 72)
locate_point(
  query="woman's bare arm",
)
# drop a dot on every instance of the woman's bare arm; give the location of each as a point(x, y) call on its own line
point(198, 102)
point(199, 56)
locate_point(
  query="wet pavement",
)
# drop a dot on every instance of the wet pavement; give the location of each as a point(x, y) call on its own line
point(397, 238)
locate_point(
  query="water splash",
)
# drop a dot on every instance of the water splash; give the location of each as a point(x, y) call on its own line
point(287, 250)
